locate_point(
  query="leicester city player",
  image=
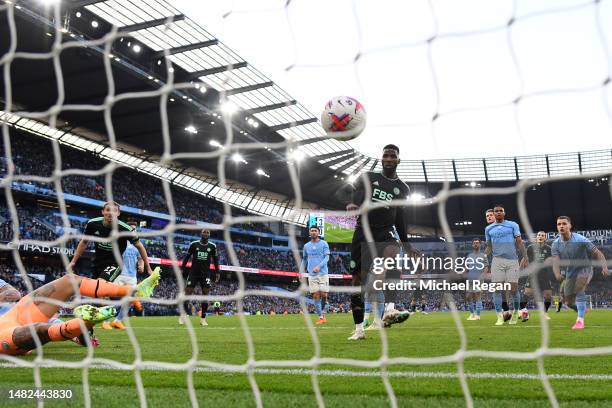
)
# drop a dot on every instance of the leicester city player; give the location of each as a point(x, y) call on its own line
point(105, 265)
point(578, 250)
point(383, 188)
point(314, 259)
point(538, 253)
point(503, 240)
point(477, 268)
point(203, 252)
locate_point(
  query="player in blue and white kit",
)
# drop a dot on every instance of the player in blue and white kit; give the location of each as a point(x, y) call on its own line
point(132, 263)
point(315, 257)
point(503, 240)
point(570, 246)
point(477, 268)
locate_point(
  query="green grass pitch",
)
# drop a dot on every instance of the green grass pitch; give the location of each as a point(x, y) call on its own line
point(287, 338)
point(335, 233)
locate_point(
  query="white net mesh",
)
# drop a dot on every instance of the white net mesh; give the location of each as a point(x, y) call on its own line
point(156, 38)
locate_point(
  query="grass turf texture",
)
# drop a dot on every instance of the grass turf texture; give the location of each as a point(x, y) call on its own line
point(287, 338)
point(336, 233)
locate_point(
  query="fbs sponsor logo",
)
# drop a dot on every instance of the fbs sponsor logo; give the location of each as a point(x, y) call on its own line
point(379, 195)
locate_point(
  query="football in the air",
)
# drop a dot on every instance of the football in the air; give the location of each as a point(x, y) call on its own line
point(344, 118)
point(507, 316)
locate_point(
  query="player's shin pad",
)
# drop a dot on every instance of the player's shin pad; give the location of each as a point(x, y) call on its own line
point(357, 307)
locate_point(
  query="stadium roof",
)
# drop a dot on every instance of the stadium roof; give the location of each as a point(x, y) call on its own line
point(204, 70)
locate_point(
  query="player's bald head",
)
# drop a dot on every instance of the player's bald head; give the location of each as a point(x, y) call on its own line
point(390, 157)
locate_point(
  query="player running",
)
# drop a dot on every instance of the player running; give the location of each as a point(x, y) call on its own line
point(315, 258)
point(477, 268)
point(384, 187)
point(29, 318)
point(105, 265)
point(132, 264)
point(570, 246)
point(202, 252)
point(538, 253)
point(503, 240)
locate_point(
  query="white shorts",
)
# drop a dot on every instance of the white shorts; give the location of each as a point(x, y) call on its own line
point(504, 270)
point(126, 280)
point(318, 283)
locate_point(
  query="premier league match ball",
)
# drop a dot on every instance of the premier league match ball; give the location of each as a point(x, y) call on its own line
point(344, 118)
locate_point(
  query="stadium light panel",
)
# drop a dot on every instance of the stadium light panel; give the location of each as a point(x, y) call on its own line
point(137, 48)
point(237, 158)
point(416, 197)
point(94, 24)
point(229, 108)
point(261, 172)
point(191, 129)
point(78, 14)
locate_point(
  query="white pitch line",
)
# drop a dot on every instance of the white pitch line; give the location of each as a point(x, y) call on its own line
point(350, 373)
point(407, 326)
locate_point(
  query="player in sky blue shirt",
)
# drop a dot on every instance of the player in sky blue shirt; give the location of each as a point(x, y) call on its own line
point(315, 258)
point(502, 235)
point(570, 246)
point(132, 263)
point(478, 266)
point(503, 240)
point(316, 255)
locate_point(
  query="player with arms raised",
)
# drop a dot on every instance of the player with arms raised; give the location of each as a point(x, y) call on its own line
point(202, 252)
point(315, 257)
point(384, 187)
point(577, 249)
point(503, 240)
point(105, 265)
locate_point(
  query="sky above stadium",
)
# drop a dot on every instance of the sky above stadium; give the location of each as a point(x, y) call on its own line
point(555, 58)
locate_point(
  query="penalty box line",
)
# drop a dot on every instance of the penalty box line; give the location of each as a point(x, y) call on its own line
point(350, 373)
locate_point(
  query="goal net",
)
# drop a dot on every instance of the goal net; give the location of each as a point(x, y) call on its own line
point(541, 96)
